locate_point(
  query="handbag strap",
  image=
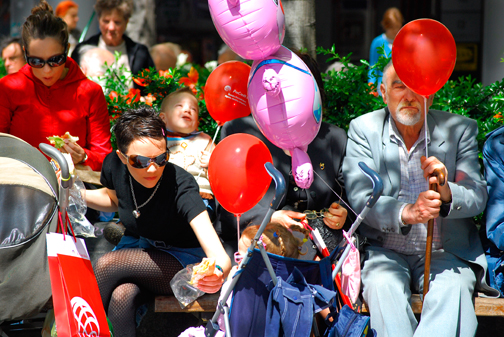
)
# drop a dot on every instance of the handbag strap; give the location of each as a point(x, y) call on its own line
point(62, 228)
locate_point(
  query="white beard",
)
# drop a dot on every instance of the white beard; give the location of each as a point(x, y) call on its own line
point(407, 118)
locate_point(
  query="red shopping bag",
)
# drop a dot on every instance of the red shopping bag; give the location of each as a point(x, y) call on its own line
point(78, 307)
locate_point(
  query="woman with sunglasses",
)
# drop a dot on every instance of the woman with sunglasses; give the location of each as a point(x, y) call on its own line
point(50, 95)
point(167, 226)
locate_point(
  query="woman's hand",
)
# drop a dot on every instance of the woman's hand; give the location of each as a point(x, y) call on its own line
point(211, 284)
point(336, 216)
point(78, 154)
point(286, 218)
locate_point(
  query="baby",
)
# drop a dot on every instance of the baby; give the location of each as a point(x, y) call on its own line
point(189, 148)
point(277, 240)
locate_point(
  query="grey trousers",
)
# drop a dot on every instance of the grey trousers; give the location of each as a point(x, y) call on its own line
point(448, 310)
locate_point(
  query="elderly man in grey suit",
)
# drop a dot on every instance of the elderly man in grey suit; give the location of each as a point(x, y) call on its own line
point(392, 142)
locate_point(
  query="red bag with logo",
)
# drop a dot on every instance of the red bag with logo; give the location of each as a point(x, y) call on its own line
point(78, 307)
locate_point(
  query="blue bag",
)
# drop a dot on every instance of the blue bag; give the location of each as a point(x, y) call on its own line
point(348, 323)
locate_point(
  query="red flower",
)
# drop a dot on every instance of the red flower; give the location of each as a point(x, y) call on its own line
point(114, 96)
point(133, 96)
point(191, 80)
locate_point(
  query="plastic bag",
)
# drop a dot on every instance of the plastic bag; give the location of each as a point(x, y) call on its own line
point(183, 291)
point(76, 210)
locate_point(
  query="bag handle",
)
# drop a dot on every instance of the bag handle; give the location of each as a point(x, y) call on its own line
point(62, 228)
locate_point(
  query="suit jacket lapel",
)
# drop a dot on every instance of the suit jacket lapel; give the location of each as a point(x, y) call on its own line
point(437, 145)
point(391, 159)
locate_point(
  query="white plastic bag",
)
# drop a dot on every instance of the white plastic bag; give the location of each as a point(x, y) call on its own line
point(182, 289)
point(76, 210)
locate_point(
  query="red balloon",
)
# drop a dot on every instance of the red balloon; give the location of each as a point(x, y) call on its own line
point(226, 92)
point(236, 172)
point(424, 55)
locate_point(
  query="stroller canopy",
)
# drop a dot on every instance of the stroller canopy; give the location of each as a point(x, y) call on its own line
point(28, 206)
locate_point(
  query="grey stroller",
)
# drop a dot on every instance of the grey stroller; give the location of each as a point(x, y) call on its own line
point(29, 206)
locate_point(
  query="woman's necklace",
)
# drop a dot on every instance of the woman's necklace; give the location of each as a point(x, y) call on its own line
point(136, 212)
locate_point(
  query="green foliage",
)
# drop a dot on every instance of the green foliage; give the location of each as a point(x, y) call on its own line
point(157, 85)
point(3, 72)
point(348, 94)
point(484, 104)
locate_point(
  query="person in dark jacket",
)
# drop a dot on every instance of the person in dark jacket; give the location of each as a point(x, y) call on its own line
point(113, 17)
point(493, 231)
point(326, 152)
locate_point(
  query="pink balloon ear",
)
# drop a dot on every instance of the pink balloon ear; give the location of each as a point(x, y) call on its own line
point(271, 82)
point(302, 168)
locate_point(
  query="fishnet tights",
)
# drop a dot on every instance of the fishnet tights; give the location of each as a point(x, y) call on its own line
point(127, 277)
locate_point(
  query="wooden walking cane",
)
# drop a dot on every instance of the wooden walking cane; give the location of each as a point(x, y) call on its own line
point(430, 234)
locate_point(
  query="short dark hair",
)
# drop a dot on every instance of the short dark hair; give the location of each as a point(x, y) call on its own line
point(312, 64)
point(8, 41)
point(123, 6)
point(43, 23)
point(143, 122)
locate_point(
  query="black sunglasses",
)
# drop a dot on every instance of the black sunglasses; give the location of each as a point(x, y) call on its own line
point(140, 162)
point(53, 61)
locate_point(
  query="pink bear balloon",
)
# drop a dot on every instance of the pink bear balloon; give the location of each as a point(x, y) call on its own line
point(253, 29)
point(285, 101)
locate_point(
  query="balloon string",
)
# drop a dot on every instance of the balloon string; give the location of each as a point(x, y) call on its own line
point(340, 198)
point(425, 127)
point(213, 141)
point(238, 229)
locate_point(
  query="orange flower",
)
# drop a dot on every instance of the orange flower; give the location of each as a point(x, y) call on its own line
point(140, 81)
point(373, 89)
point(165, 73)
point(191, 80)
point(133, 96)
point(498, 115)
point(148, 99)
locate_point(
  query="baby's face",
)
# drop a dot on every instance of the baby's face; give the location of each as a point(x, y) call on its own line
point(181, 113)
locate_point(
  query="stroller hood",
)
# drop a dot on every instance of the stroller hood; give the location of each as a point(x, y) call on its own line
point(27, 208)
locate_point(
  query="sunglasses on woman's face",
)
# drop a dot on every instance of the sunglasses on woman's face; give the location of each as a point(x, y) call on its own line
point(140, 162)
point(53, 61)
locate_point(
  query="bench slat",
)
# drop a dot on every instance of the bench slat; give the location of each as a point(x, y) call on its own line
point(208, 302)
point(482, 306)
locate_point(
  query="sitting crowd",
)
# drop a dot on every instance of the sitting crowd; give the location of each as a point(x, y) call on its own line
point(157, 182)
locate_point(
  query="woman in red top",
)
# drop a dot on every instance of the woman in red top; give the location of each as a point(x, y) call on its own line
point(50, 95)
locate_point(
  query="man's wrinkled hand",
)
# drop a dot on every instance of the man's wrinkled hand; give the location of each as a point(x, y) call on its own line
point(336, 216)
point(431, 165)
point(426, 207)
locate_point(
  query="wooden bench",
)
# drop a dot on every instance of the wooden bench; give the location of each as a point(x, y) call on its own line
point(207, 303)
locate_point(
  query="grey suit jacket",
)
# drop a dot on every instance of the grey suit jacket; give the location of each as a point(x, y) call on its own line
point(453, 142)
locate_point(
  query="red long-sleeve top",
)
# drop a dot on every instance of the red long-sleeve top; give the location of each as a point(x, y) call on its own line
point(31, 111)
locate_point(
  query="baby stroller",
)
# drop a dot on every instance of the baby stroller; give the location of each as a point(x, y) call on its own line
point(259, 271)
point(28, 208)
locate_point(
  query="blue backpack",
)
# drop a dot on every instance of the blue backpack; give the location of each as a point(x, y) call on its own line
point(348, 323)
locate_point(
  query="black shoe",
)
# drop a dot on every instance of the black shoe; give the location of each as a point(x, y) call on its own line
point(113, 232)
